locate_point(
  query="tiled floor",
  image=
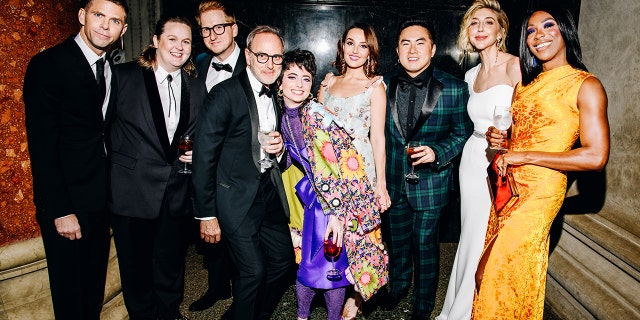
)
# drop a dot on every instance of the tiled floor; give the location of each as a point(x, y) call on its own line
point(196, 285)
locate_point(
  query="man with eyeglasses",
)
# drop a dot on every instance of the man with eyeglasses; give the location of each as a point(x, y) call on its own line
point(218, 29)
point(246, 199)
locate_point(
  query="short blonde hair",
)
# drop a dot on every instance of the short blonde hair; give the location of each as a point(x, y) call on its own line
point(463, 37)
point(215, 5)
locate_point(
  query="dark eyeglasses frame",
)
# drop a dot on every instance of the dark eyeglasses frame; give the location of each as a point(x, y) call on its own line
point(206, 31)
point(260, 57)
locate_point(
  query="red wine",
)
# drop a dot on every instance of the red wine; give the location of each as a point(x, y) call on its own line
point(331, 249)
point(185, 145)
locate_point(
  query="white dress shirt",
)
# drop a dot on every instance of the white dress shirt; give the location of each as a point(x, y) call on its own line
point(214, 77)
point(92, 57)
point(171, 115)
point(266, 112)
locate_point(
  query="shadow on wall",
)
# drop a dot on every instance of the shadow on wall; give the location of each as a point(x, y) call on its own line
point(586, 194)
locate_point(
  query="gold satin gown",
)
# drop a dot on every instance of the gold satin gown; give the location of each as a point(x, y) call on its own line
point(546, 118)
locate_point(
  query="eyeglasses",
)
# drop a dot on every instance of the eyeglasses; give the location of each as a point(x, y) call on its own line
point(218, 29)
point(263, 57)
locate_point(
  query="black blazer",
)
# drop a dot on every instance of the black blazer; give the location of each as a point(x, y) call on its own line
point(66, 132)
point(203, 62)
point(226, 173)
point(145, 164)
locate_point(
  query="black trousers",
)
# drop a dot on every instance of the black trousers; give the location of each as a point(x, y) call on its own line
point(262, 251)
point(219, 265)
point(78, 268)
point(151, 256)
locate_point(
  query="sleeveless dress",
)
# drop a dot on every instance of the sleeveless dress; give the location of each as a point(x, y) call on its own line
point(355, 114)
point(546, 118)
point(475, 201)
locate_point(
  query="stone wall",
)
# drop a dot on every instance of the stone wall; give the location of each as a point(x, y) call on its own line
point(594, 271)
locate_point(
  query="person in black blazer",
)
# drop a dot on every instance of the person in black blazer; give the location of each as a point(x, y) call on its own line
point(157, 105)
point(231, 187)
point(67, 95)
point(218, 29)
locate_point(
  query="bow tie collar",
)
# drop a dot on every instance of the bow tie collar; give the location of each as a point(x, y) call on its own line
point(266, 90)
point(406, 81)
point(220, 66)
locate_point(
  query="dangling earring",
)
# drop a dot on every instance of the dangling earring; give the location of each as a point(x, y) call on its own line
point(366, 67)
point(498, 49)
point(280, 93)
point(534, 61)
point(310, 96)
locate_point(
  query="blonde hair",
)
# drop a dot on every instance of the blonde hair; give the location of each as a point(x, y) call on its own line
point(215, 5)
point(464, 44)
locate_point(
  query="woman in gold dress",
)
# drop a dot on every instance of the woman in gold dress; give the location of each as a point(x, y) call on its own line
point(557, 102)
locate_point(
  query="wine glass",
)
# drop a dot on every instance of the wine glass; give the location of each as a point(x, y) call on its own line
point(411, 177)
point(332, 251)
point(502, 121)
point(264, 138)
point(185, 144)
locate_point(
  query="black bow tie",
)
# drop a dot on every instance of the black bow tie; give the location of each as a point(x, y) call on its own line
point(406, 81)
point(266, 90)
point(220, 66)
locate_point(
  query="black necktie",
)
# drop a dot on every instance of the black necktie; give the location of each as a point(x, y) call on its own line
point(220, 66)
point(265, 90)
point(102, 87)
point(172, 96)
point(406, 81)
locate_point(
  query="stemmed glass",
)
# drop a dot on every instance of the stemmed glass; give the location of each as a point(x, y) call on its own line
point(185, 144)
point(411, 177)
point(332, 251)
point(264, 138)
point(502, 121)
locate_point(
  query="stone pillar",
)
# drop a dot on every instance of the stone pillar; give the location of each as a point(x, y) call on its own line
point(594, 271)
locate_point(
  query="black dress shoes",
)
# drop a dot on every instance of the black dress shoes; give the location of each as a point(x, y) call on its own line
point(207, 301)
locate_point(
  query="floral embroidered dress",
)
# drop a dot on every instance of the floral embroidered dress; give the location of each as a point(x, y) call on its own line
point(336, 181)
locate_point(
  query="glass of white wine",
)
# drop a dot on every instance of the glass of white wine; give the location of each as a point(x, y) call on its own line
point(264, 138)
point(502, 121)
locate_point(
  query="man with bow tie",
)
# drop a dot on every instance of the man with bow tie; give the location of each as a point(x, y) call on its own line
point(218, 29)
point(428, 107)
point(237, 199)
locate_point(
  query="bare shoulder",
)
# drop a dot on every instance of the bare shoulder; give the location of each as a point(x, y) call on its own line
point(513, 70)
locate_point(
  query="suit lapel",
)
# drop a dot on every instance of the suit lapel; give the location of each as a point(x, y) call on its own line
point(155, 104)
point(241, 64)
point(434, 89)
point(393, 88)
point(253, 114)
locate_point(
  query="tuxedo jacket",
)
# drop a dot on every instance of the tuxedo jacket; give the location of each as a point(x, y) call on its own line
point(145, 164)
point(203, 63)
point(226, 173)
point(66, 132)
point(443, 125)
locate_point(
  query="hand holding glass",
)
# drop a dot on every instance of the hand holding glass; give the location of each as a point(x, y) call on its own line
point(185, 144)
point(264, 138)
point(332, 251)
point(502, 121)
point(411, 177)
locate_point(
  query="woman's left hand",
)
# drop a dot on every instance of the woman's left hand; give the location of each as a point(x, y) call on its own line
point(335, 226)
point(186, 157)
point(513, 158)
point(382, 197)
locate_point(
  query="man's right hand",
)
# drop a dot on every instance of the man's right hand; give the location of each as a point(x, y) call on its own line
point(210, 231)
point(68, 227)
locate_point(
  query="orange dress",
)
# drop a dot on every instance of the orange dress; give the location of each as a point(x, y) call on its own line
point(546, 118)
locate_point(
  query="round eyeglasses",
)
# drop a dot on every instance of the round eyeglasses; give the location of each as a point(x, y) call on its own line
point(263, 57)
point(218, 29)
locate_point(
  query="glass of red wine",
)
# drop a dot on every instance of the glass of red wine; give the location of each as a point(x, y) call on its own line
point(332, 252)
point(412, 177)
point(185, 144)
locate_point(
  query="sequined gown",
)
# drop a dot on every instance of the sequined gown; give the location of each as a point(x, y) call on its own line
point(475, 201)
point(546, 118)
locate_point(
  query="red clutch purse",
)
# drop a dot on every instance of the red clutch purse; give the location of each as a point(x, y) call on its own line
point(503, 190)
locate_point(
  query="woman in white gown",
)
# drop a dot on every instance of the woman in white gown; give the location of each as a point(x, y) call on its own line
point(483, 30)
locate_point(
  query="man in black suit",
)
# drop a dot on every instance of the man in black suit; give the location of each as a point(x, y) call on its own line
point(248, 201)
point(158, 104)
point(67, 90)
point(218, 29)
